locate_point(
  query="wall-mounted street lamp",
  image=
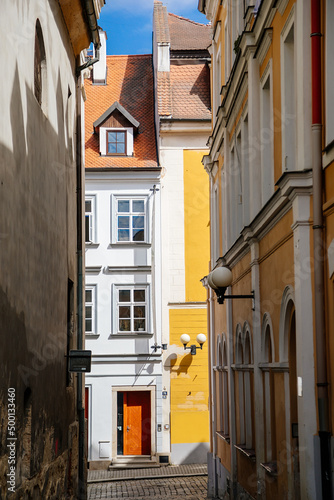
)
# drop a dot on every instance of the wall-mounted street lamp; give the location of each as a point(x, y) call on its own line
point(155, 347)
point(219, 279)
point(185, 338)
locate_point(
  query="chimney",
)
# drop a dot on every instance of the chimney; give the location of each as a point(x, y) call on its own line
point(100, 67)
point(161, 38)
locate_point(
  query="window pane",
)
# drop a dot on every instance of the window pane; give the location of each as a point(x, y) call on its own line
point(111, 147)
point(89, 312)
point(88, 205)
point(139, 325)
point(139, 311)
point(124, 295)
point(124, 311)
point(138, 205)
point(111, 136)
point(138, 235)
point(120, 148)
point(89, 296)
point(87, 228)
point(120, 137)
point(123, 221)
point(138, 221)
point(123, 235)
point(123, 206)
point(124, 325)
point(139, 295)
point(89, 324)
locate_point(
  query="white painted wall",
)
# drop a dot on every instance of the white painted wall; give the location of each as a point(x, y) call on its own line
point(122, 360)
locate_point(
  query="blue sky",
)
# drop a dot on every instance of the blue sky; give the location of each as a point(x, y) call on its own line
point(128, 23)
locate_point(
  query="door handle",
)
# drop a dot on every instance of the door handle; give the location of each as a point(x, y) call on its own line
point(127, 428)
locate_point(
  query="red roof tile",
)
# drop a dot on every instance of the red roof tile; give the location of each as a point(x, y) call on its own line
point(190, 91)
point(164, 94)
point(188, 35)
point(130, 82)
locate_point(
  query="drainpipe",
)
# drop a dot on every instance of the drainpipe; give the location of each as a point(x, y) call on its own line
point(81, 410)
point(319, 299)
point(92, 21)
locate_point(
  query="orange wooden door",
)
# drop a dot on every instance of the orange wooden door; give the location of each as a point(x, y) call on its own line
point(137, 423)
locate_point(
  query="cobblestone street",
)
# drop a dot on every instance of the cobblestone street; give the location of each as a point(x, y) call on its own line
point(186, 482)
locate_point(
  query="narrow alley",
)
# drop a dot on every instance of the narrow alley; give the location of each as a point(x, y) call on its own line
point(172, 482)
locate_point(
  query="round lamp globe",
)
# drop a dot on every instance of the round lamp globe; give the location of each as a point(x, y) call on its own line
point(185, 338)
point(221, 277)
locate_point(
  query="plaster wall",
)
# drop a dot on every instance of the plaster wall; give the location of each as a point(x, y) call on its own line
point(122, 360)
point(39, 244)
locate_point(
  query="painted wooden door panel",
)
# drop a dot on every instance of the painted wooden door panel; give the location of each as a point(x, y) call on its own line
point(137, 423)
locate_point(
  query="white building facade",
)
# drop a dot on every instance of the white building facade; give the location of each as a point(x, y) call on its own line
point(123, 264)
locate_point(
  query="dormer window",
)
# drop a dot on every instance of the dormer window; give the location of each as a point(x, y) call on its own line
point(116, 129)
point(116, 142)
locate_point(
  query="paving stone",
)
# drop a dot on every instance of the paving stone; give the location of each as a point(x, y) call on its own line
point(182, 483)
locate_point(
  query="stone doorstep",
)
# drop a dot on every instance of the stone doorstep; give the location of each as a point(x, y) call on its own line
point(134, 462)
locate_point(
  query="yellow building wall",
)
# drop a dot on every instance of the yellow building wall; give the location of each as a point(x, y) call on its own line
point(196, 224)
point(189, 379)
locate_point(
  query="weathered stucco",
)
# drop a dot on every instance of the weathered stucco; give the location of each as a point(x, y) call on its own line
point(38, 238)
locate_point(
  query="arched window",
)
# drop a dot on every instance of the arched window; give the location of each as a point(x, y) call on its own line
point(226, 425)
point(248, 389)
point(244, 386)
point(268, 358)
point(222, 410)
point(39, 64)
point(240, 396)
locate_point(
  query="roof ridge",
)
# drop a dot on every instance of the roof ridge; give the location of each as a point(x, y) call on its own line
point(189, 20)
point(129, 55)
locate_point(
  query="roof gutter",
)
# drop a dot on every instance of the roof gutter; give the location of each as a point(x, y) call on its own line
point(201, 6)
point(92, 20)
point(94, 30)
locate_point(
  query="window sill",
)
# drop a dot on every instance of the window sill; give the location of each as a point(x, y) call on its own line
point(130, 243)
point(92, 244)
point(123, 335)
point(117, 155)
point(223, 436)
point(270, 468)
point(92, 336)
point(248, 452)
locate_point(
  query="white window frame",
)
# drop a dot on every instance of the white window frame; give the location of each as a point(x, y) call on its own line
point(129, 140)
point(115, 214)
point(217, 73)
point(267, 135)
point(245, 169)
point(288, 97)
point(92, 219)
point(92, 304)
point(116, 304)
point(215, 223)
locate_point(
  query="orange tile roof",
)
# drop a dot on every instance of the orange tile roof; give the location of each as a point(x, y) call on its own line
point(190, 91)
point(164, 94)
point(188, 35)
point(130, 82)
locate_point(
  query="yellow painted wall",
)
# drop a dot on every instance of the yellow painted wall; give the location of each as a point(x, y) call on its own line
point(196, 224)
point(189, 379)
